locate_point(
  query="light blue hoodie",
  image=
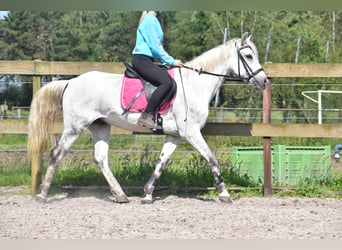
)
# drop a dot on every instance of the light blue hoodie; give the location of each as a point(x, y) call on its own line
point(149, 41)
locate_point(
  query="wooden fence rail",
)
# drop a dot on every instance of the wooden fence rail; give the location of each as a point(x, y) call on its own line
point(40, 68)
point(215, 128)
point(37, 69)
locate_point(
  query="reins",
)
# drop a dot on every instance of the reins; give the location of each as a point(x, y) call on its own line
point(227, 77)
point(238, 78)
point(185, 100)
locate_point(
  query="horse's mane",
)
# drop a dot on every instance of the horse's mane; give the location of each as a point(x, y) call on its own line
point(216, 56)
point(211, 58)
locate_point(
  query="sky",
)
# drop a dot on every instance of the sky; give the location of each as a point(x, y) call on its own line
point(3, 13)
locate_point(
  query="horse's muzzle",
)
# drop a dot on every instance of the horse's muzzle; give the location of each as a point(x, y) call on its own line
point(260, 82)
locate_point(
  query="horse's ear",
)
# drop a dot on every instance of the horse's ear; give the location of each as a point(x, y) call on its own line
point(244, 38)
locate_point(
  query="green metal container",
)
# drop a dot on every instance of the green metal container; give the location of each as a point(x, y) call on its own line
point(290, 164)
point(249, 162)
point(299, 163)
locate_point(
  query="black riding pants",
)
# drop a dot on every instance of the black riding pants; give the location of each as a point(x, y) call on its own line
point(159, 77)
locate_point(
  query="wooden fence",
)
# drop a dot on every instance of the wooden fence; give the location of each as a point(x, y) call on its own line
point(37, 69)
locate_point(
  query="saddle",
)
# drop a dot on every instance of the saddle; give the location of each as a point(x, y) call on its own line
point(136, 92)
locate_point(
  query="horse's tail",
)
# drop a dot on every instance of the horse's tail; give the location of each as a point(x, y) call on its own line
point(45, 107)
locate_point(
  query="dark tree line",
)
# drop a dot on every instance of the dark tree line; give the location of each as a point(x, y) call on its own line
point(109, 36)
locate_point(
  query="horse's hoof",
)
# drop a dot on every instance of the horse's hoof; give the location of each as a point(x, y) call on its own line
point(121, 199)
point(226, 199)
point(40, 198)
point(147, 199)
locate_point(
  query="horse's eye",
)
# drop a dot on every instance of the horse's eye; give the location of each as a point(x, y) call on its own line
point(249, 56)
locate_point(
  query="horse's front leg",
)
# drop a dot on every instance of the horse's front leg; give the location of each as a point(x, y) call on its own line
point(169, 147)
point(196, 139)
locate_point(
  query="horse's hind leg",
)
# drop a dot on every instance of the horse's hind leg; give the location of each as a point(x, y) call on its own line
point(101, 133)
point(56, 155)
point(169, 147)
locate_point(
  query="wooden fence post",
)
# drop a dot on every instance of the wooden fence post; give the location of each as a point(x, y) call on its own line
point(267, 105)
point(35, 172)
point(35, 159)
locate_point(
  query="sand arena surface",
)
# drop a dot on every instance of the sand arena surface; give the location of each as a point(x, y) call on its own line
point(92, 214)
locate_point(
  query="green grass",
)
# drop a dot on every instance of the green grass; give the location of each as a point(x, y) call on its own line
point(133, 167)
point(215, 142)
point(186, 170)
point(15, 175)
point(8, 141)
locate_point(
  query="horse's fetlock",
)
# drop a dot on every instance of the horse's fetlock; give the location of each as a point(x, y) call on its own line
point(41, 198)
point(148, 190)
point(219, 180)
point(220, 187)
point(44, 188)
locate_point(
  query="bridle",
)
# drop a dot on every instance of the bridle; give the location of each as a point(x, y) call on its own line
point(250, 72)
point(248, 69)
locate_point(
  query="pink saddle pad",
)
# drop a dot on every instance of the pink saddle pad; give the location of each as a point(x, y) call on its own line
point(130, 87)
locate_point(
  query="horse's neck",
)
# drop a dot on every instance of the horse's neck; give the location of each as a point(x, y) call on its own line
point(213, 61)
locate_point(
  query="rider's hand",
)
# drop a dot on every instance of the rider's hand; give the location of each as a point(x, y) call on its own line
point(179, 63)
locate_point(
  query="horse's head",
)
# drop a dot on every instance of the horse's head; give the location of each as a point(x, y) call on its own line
point(247, 65)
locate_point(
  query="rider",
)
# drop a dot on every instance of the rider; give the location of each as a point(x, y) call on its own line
point(149, 48)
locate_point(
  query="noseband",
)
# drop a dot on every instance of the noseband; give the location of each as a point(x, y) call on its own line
point(243, 61)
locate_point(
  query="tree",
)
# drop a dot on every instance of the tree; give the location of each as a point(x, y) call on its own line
point(110, 36)
point(192, 34)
